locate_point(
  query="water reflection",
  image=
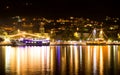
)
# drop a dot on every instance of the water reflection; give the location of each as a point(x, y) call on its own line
point(60, 60)
point(25, 60)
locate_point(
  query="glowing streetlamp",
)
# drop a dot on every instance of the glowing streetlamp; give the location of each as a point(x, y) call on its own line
point(18, 30)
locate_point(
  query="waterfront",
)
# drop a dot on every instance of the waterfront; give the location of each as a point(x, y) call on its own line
point(60, 60)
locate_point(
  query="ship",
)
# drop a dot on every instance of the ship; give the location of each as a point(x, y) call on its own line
point(97, 38)
point(30, 42)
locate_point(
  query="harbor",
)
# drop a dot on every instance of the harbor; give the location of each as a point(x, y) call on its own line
point(59, 37)
point(28, 39)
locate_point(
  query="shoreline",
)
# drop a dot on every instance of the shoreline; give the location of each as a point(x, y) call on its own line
point(66, 44)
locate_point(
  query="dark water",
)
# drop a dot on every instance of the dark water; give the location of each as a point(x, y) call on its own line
point(60, 60)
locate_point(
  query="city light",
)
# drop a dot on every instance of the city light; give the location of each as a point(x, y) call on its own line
point(59, 37)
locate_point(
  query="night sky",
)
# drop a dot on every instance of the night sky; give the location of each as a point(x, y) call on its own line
point(59, 8)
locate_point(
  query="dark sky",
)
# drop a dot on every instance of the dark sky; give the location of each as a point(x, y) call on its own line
point(59, 8)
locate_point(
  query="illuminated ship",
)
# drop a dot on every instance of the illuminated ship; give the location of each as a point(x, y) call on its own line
point(30, 42)
point(97, 39)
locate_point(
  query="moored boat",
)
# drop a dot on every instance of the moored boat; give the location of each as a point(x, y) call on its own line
point(29, 42)
point(97, 38)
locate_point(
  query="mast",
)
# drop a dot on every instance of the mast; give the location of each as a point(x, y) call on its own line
point(97, 36)
point(93, 35)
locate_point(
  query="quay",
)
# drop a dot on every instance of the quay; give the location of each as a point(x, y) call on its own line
point(58, 43)
point(81, 43)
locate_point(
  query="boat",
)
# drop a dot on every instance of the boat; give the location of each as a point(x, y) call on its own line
point(97, 38)
point(30, 42)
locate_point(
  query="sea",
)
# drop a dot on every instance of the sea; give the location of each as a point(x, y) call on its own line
point(60, 60)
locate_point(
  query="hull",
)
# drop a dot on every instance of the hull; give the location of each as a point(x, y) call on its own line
point(30, 43)
point(95, 43)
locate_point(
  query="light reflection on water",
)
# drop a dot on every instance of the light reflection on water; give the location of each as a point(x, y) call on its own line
point(60, 60)
point(23, 60)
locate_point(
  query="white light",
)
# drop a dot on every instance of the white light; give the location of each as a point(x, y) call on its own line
point(7, 40)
